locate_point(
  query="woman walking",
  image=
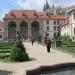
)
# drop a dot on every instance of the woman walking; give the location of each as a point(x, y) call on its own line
point(48, 44)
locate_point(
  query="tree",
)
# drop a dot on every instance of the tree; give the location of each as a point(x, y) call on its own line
point(18, 52)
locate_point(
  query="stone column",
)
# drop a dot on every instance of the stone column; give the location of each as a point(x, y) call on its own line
point(29, 30)
point(41, 28)
point(17, 29)
point(6, 32)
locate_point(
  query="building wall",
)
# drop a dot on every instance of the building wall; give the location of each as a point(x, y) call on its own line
point(29, 22)
point(1, 33)
point(69, 28)
point(72, 24)
point(65, 30)
point(1, 30)
point(51, 28)
point(51, 25)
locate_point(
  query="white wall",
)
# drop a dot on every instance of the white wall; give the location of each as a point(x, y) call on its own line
point(51, 25)
point(65, 30)
point(51, 28)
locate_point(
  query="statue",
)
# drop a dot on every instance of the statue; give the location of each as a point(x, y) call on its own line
point(18, 35)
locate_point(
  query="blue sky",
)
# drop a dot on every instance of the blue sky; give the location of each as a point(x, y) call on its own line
point(7, 5)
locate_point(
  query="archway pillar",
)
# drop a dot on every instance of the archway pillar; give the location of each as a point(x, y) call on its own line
point(6, 33)
point(29, 31)
point(17, 29)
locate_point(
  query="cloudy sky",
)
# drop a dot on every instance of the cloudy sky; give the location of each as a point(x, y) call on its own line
point(7, 5)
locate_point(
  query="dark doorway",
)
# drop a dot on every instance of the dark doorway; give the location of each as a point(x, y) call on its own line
point(35, 30)
point(11, 30)
point(24, 29)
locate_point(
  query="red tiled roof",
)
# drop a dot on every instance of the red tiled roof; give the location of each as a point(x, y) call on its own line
point(31, 14)
point(58, 17)
point(55, 8)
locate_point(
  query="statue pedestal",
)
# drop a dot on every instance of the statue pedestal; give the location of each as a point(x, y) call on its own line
point(58, 43)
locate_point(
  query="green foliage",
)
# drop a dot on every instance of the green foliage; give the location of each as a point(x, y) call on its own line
point(67, 44)
point(6, 45)
point(65, 40)
point(5, 49)
point(18, 52)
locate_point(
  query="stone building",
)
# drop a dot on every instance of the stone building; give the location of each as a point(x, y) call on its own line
point(1, 30)
point(27, 22)
point(31, 23)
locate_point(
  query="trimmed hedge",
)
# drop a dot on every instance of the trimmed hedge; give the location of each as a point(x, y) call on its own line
point(18, 52)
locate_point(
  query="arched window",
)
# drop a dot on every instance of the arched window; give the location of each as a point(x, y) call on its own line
point(13, 15)
point(24, 15)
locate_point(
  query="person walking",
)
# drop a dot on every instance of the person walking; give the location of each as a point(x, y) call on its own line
point(32, 41)
point(48, 44)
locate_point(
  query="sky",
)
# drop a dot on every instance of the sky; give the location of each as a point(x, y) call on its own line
point(7, 5)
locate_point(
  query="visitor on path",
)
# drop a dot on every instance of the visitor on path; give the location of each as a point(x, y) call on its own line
point(48, 44)
point(32, 40)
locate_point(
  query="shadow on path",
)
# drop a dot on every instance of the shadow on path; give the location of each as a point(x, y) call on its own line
point(4, 72)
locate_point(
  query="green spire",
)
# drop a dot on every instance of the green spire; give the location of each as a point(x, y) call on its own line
point(44, 8)
point(47, 5)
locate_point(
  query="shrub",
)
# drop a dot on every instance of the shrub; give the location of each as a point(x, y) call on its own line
point(18, 52)
point(65, 40)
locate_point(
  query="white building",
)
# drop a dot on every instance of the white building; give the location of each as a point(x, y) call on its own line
point(52, 26)
point(69, 27)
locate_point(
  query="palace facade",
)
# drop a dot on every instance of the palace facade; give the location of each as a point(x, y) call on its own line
point(31, 23)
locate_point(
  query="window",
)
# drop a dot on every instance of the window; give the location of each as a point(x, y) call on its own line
point(0, 30)
point(74, 15)
point(13, 15)
point(54, 35)
point(47, 21)
point(47, 34)
point(54, 22)
point(67, 33)
point(64, 33)
point(24, 15)
point(57, 22)
point(47, 27)
point(54, 27)
point(74, 30)
point(0, 36)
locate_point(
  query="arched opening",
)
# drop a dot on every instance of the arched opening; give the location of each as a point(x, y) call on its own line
point(11, 30)
point(35, 30)
point(24, 29)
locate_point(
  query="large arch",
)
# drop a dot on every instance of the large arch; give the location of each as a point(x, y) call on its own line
point(35, 30)
point(11, 30)
point(24, 29)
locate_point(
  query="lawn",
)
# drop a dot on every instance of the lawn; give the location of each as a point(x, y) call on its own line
point(5, 49)
point(67, 45)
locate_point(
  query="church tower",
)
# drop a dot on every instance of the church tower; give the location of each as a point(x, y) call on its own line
point(46, 6)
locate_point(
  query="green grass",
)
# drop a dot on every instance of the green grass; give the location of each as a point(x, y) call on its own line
point(5, 49)
point(68, 47)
